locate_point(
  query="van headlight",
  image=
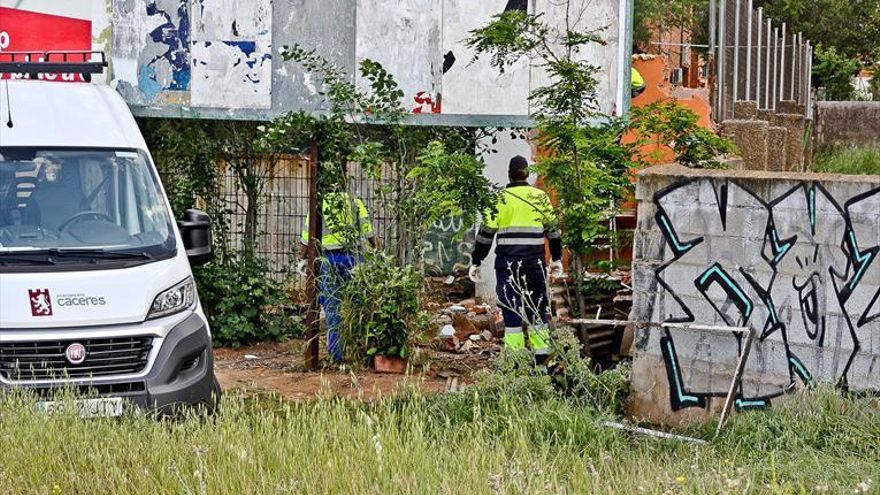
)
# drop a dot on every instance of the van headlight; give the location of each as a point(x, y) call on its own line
point(174, 300)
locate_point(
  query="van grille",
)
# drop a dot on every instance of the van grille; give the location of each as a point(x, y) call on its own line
point(23, 361)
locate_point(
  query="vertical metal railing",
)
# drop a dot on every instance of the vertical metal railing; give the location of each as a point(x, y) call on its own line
point(756, 59)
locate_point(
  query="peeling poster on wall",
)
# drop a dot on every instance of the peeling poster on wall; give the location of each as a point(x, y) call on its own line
point(151, 61)
point(232, 53)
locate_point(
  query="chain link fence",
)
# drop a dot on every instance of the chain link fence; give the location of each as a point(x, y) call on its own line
point(284, 209)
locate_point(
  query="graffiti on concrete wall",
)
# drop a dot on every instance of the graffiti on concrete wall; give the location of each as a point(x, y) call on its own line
point(448, 247)
point(796, 264)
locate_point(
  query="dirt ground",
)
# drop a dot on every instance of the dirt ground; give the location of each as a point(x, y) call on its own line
point(279, 368)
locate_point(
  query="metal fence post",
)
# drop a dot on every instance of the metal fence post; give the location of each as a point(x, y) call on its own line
point(713, 25)
point(759, 54)
point(775, 85)
point(313, 316)
point(795, 61)
point(736, 48)
point(751, 14)
point(767, 65)
point(722, 34)
point(782, 65)
point(810, 108)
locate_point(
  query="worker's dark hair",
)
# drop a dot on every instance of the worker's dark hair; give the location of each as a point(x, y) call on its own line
point(518, 170)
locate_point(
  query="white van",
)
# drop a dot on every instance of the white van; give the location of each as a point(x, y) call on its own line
point(96, 291)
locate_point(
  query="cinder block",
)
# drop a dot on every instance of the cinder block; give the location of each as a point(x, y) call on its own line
point(750, 136)
point(777, 138)
point(790, 107)
point(794, 143)
point(745, 110)
point(863, 375)
point(766, 115)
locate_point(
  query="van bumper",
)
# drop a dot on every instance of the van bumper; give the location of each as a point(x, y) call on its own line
point(181, 376)
point(183, 372)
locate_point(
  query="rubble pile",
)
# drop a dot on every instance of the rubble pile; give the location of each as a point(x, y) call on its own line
point(469, 327)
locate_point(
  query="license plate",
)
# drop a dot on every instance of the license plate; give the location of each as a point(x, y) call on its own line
point(88, 408)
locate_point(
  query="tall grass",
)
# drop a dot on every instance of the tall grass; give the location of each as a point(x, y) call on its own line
point(848, 160)
point(455, 443)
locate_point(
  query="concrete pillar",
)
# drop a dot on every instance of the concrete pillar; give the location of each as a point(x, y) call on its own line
point(776, 155)
point(794, 142)
point(750, 136)
point(746, 110)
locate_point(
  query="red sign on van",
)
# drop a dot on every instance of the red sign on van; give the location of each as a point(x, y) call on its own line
point(27, 31)
point(41, 302)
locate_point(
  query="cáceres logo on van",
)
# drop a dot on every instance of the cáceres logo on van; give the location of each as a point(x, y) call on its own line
point(41, 302)
point(80, 300)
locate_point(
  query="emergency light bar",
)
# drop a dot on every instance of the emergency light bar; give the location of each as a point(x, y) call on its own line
point(32, 63)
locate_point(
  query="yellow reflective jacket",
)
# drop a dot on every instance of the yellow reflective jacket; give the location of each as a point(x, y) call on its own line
point(342, 228)
point(522, 220)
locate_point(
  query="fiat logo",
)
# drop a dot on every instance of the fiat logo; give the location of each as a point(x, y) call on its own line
point(75, 354)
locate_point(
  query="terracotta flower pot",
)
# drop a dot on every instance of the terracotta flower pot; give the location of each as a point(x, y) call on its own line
point(389, 364)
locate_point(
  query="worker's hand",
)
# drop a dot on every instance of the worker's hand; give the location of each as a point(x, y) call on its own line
point(474, 274)
point(555, 269)
point(302, 267)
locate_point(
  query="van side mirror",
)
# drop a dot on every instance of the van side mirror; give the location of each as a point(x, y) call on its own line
point(195, 228)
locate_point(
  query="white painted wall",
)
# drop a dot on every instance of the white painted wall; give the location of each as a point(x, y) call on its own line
point(404, 36)
point(474, 87)
point(410, 38)
point(598, 16)
point(231, 53)
point(79, 9)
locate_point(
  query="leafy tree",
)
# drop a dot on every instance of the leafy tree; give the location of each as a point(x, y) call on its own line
point(650, 15)
point(410, 165)
point(834, 71)
point(422, 174)
point(584, 163)
point(850, 27)
point(668, 122)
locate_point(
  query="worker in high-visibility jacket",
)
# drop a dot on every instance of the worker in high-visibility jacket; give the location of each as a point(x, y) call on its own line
point(522, 220)
point(346, 230)
point(637, 82)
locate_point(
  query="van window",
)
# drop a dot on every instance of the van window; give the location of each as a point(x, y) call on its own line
point(106, 200)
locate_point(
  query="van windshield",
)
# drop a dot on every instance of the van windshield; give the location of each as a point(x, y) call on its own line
point(81, 204)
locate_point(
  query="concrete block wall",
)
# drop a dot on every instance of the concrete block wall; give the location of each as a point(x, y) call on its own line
point(769, 140)
point(792, 255)
point(847, 123)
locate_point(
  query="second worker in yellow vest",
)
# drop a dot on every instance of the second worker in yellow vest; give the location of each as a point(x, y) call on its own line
point(522, 221)
point(346, 229)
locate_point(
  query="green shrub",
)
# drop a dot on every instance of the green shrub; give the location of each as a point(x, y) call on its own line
point(834, 71)
point(671, 123)
point(568, 376)
point(380, 309)
point(245, 306)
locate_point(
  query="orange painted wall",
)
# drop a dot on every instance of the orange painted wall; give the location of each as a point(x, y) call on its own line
point(656, 71)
